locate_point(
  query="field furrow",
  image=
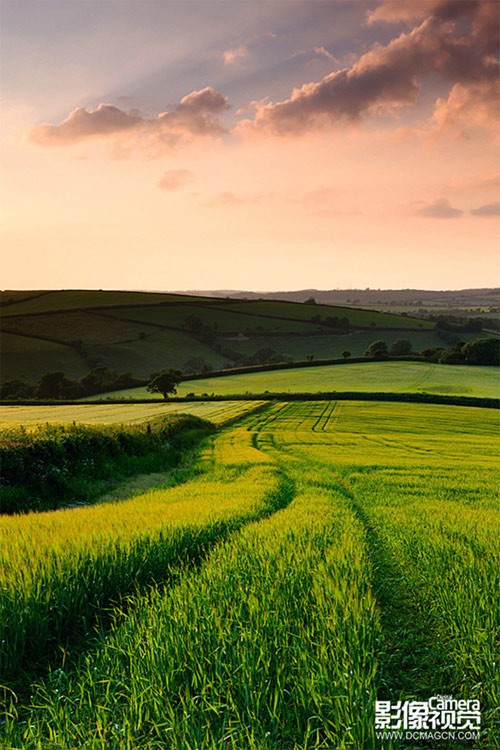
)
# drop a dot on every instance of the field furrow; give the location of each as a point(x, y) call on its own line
point(61, 570)
point(378, 581)
point(283, 657)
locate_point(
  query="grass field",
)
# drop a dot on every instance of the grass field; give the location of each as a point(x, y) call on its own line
point(29, 358)
point(356, 317)
point(159, 350)
point(375, 580)
point(29, 416)
point(217, 318)
point(78, 299)
point(332, 346)
point(394, 377)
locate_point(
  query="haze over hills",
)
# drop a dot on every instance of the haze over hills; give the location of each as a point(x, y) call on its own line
point(456, 299)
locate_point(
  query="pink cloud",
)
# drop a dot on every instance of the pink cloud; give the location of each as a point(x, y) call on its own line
point(235, 55)
point(82, 123)
point(389, 76)
point(439, 209)
point(193, 116)
point(490, 209)
point(472, 104)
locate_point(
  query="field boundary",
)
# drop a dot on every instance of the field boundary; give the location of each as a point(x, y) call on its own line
point(419, 398)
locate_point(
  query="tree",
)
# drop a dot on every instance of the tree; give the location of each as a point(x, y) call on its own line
point(346, 354)
point(98, 380)
point(401, 347)
point(482, 352)
point(454, 355)
point(50, 384)
point(14, 389)
point(164, 382)
point(377, 349)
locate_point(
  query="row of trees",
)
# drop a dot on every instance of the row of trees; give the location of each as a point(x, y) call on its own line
point(476, 352)
point(55, 385)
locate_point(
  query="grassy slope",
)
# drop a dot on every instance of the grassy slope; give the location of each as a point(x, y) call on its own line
point(68, 326)
point(224, 319)
point(76, 299)
point(397, 377)
point(159, 350)
point(332, 346)
point(29, 358)
point(356, 317)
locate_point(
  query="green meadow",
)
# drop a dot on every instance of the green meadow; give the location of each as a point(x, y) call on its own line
point(394, 377)
point(361, 545)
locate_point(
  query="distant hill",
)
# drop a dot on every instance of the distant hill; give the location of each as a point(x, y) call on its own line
point(464, 299)
point(137, 332)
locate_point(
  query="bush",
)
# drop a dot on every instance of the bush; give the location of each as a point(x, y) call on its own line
point(54, 463)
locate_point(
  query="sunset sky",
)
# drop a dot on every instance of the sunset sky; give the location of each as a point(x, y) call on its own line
point(264, 145)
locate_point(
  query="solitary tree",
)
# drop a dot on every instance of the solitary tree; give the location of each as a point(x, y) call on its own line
point(164, 382)
point(346, 354)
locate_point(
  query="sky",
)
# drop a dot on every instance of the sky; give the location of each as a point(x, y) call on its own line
point(266, 145)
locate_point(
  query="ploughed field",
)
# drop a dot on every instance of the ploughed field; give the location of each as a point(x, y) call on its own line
point(318, 557)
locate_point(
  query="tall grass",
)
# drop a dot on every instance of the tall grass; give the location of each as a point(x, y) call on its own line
point(270, 645)
point(60, 570)
point(379, 581)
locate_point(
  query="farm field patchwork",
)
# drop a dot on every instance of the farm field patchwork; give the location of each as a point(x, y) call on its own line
point(217, 318)
point(358, 317)
point(391, 512)
point(140, 332)
point(78, 299)
point(394, 377)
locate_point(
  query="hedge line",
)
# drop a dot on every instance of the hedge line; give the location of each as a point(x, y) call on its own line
point(54, 465)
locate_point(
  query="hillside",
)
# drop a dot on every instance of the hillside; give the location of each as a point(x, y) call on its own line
point(138, 332)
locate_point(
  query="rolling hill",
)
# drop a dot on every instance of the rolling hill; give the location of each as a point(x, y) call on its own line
point(138, 332)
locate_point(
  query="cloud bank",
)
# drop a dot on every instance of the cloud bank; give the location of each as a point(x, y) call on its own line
point(390, 76)
point(454, 41)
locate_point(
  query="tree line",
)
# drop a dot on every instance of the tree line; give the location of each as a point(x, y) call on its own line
point(55, 385)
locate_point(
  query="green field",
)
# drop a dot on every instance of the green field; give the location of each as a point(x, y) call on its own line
point(393, 377)
point(361, 545)
point(332, 346)
point(363, 318)
point(222, 319)
point(30, 358)
point(218, 412)
point(78, 299)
